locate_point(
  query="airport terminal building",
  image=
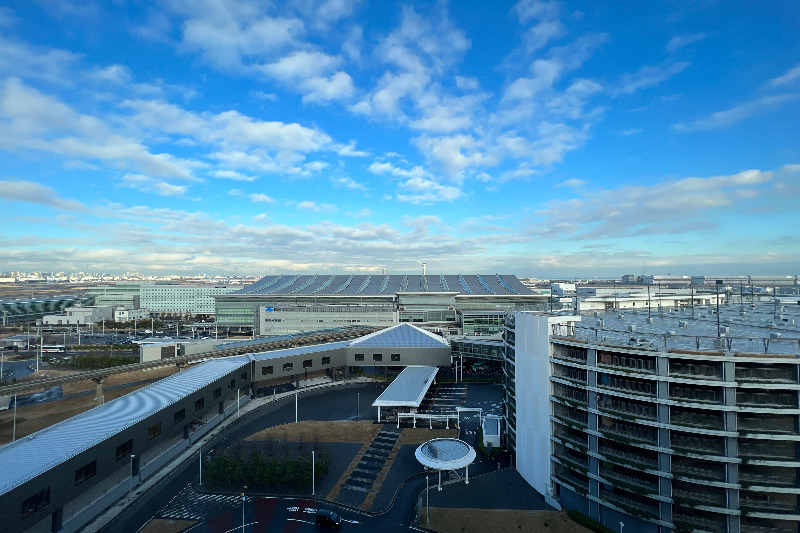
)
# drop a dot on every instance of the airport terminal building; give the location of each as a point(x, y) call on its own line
point(451, 304)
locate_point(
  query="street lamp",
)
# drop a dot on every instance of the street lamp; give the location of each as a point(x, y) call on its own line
point(130, 482)
point(358, 407)
point(621, 525)
point(245, 488)
point(313, 485)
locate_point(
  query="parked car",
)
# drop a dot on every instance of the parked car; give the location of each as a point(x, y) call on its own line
point(327, 518)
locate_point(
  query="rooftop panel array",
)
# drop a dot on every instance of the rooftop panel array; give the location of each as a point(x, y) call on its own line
point(369, 285)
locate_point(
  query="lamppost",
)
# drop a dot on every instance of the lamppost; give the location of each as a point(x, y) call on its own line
point(245, 488)
point(621, 525)
point(358, 407)
point(313, 469)
point(130, 482)
point(427, 500)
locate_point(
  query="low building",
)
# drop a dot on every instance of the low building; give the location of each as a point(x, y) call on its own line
point(128, 315)
point(81, 316)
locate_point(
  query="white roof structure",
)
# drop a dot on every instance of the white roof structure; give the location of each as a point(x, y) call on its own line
point(408, 389)
point(401, 336)
point(30, 456)
point(445, 454)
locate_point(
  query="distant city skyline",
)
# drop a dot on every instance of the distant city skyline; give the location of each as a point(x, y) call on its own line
point(542, 139)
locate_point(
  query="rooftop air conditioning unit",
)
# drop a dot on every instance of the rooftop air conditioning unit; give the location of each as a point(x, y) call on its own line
point(632, 327)
point(650, 320)
point(774, 336)
point(670, 333)
point(621, 316)
point(683, 323)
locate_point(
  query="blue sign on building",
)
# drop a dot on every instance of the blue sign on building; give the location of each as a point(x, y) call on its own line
point(269, 309)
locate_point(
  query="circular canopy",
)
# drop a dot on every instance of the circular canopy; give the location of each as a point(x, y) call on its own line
point(445, 454)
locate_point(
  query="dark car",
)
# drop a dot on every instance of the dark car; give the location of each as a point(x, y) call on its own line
point(329, 519)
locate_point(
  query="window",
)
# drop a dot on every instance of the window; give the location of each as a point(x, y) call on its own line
point(199, 404)
point(307, 363)
point(179, 416)
point(266, 370)
point(232, 384)
point(377, 357)
point(124, 449)
point(85, 472)
point(36, 502)
point(217, 392)
point(287, 367)
point(359, 357)
point(154, 431)
point(326, 360)
point(244, 375)
point(395, 357)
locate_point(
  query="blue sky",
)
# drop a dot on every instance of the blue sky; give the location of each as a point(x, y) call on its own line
point(549, 139)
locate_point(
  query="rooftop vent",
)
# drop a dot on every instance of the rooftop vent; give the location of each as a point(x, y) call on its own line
point(683, 323)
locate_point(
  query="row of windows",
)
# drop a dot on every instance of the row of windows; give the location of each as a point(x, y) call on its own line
point(377, 357)
point(288, 367)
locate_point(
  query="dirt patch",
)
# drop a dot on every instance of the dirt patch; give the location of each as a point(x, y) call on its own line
point(420, 435)
point(33, 418)
point(118, 379)
point(500, 521)
point(158, 525)
point(312, 430)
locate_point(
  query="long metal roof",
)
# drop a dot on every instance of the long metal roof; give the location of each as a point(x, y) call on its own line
point(408, 388)
point(384, 284)
point(401, 336)
point(35, 454)
point(299, 350)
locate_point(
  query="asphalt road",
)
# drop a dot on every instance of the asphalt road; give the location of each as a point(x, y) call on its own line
point(176, 499)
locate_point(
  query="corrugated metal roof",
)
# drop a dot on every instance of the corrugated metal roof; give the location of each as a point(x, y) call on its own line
point(408, 389)
point(401, 336)
point(35, 454)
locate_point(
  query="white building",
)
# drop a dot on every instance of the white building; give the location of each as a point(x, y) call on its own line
point(80, 315)
point(122, 314)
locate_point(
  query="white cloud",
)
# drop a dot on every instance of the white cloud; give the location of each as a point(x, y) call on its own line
point(649, 77)
point(788, 77)
point(307, 205)
point(420, 190)
point(728, 117)
point(232, 35)
point(685, 39)
point(148, 184)
point(262, 198)
point(573, 182)
point(348, 183)
point(349, 150)
point(678, 206)
point(28, 191)
point(232, 175)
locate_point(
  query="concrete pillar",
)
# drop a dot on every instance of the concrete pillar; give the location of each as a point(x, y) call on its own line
point(99, 393)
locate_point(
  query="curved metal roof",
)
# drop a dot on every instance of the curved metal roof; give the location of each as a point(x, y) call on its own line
point(30, 456)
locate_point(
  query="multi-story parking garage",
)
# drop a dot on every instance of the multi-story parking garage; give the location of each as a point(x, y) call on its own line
point(661, 421)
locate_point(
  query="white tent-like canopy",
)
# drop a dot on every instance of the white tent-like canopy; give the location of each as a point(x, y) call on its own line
point(408, 388)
